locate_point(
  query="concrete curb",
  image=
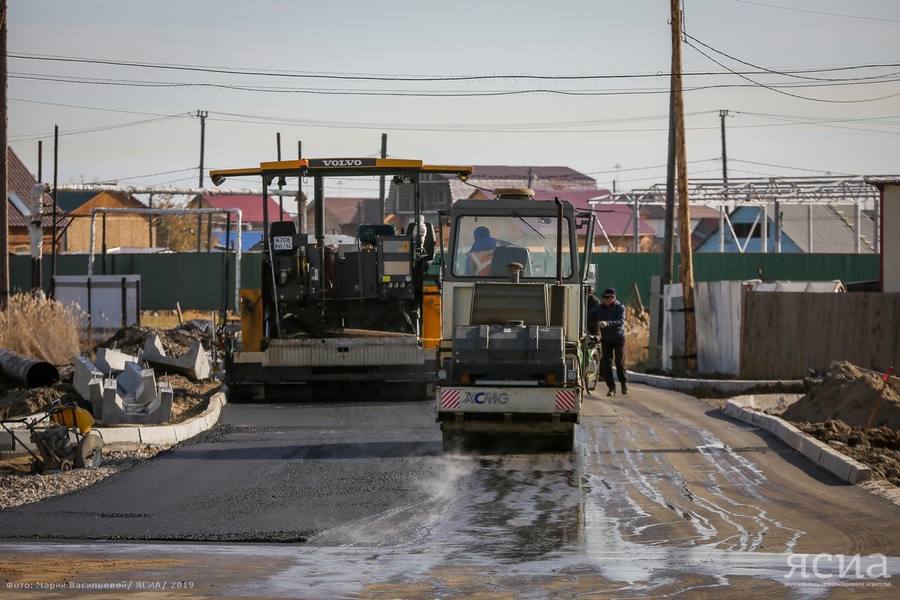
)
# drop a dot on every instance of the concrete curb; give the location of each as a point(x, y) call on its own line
point(841, 465)
point(164, 435)
point(742, 408)
point(129, 436)
point(723, 385)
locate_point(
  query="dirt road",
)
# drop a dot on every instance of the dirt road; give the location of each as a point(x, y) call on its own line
point(664, 496)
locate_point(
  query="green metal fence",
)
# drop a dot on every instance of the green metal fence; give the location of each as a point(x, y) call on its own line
point(621, 270)
point(198, 280)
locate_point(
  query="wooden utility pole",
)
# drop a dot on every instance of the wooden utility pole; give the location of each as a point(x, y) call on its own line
point(4, 170)
point(684, 210)
point(202, 114)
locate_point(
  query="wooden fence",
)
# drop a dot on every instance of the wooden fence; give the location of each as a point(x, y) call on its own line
point(789, 335)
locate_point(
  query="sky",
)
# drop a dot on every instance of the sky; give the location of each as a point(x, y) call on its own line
point(811, 87)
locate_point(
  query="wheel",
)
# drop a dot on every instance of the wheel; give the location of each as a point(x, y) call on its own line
point(453, 442)
point(37, 467)
point(65, 465)
point(593, 369)
point(567, 441)
point(90, 451)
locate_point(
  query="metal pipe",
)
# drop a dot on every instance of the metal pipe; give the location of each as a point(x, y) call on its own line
point(30, 371)
point(175, 191)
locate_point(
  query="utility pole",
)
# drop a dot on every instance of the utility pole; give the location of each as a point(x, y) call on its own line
point(656, 343)
point(4, 169)
point(381, 179)
point(301, 199)
point(55, 209)
point(722, 115)
point(202, 114)
point(684, 211)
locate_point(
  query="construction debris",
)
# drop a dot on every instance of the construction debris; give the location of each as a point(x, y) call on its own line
point(194, 363)
point(110, 361)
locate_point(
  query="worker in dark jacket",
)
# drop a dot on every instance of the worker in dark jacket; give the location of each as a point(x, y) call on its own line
point(610, 316)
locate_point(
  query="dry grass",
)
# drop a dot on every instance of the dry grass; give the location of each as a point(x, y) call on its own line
point(40, 328)
point(637, 332)
point(168, 319)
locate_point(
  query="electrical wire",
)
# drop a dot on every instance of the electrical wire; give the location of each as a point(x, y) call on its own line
point(450, 93)
point(32, 137)
point(776, 88)
point(784, 73)
point(404, 77)
point(819, 12)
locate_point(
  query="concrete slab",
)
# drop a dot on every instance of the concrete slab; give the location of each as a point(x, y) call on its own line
point(84, 372)
point(134, 398)
point(194, 363)
point(111, 362)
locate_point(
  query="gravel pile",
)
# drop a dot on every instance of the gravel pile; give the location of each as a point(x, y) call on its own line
point(17, 489)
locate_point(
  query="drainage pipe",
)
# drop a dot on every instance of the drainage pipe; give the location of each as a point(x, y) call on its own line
point(30, 371)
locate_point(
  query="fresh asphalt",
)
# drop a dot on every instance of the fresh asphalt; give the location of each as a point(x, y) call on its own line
point(265, 473)
point(663, 495)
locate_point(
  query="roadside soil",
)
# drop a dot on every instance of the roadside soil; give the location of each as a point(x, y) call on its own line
point(837, 410)
point(858, 414)
point(191, 398)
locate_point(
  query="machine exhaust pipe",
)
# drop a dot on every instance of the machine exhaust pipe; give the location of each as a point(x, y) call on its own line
point(29, 371)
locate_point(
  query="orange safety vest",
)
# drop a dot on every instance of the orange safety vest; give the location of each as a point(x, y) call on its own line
point(481, 260)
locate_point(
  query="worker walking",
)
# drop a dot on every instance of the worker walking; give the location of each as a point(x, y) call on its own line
point(610, 316)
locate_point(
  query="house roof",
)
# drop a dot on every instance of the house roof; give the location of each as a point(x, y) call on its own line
point(19, 184)
point(698, 211)
point(69, 201)
point(346, 210)
point(251, 207)
point(616, 219)
point(519, 172)
point(72, 201)
point(490, 177)
point(834, 227)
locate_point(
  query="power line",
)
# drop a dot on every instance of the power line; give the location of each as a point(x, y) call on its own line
point(819, 12)
point(26, 138)
point(398, 77)
point(762, 164)
point(776, 88)
point(449, 93)
point(113, 110)
point(155, 174)
point(783, 73)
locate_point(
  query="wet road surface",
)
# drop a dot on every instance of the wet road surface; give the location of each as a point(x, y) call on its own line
point(664, 496)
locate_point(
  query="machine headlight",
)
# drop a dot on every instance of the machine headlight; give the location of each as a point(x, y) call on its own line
point(442, 374)
point(571, 375)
